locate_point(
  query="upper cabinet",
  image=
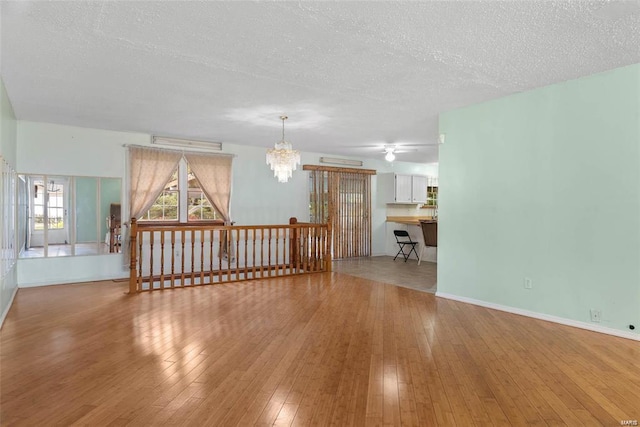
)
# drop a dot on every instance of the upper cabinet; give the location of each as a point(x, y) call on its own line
point(403, 189)
point(399, 188)
point(419, 189)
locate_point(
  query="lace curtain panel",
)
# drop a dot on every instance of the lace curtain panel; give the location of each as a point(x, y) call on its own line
point(149, 171)
point(213, 172)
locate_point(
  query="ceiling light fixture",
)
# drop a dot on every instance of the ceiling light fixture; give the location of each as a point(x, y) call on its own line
point(389, 149)
point(283, 159)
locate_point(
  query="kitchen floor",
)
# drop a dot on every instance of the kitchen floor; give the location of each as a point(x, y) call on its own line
point(384, 269)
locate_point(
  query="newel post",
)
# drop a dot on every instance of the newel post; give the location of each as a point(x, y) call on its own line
point(327, 248)
point(133, 247)
point(295, 244)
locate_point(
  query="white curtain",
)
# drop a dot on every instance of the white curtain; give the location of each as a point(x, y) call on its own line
point(149, 171)
point(213, 172)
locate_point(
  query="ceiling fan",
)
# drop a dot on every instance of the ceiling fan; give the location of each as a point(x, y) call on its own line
point(390, 150)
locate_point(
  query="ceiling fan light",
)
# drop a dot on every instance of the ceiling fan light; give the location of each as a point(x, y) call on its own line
point(389, 157)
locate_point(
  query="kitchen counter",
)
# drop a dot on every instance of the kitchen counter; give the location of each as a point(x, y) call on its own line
point(409, 220)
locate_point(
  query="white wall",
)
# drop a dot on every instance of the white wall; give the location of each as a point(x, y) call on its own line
point(257, 197)
point(8, 143)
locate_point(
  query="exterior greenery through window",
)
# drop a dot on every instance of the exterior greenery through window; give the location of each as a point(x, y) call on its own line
point(182, 189)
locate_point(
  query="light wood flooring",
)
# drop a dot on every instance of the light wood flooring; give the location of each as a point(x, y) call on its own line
point(324, 349)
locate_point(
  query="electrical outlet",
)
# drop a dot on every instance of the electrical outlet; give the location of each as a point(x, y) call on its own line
point(528, 283)
point(596, 315)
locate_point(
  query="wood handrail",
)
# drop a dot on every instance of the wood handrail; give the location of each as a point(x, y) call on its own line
point(153, 227)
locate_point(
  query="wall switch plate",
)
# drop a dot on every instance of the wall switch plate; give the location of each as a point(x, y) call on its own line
point(596, 315)
point(528, 283)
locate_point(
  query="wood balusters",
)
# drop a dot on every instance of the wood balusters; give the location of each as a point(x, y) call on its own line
point(233, 253)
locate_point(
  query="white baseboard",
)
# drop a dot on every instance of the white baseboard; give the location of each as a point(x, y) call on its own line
point(6, 310)
point(542, 316)
point(70, 281)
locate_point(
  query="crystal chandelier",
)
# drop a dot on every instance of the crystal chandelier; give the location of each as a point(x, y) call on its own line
point(283, 159)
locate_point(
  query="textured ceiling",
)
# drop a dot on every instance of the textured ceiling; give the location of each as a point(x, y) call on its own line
point(352, 76)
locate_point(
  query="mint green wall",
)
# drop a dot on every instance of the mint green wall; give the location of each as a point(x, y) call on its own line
point(8, 150)
point(546, 184)
point(109, 193)
point(86, 205)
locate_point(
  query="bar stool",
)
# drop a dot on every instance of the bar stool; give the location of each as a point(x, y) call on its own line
point(430, 234)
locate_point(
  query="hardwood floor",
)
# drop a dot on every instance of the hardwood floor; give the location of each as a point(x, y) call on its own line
point(326, 349)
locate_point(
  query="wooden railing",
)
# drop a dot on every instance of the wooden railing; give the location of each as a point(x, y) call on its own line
point(175, 256)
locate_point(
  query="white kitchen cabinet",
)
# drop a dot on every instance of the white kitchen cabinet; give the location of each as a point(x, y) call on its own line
point(400, 188)
point(403, 189)
point(418, 189)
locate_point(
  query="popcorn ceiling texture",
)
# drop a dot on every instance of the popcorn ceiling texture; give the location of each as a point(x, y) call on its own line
point(351, 76)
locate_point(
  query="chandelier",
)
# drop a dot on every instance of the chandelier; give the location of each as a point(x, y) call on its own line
point(283, 159)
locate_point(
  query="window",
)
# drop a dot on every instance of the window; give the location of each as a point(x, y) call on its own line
point(182, 200)
point(38, 205)
point(165, 208)
point(51, 198)
point(56, 206)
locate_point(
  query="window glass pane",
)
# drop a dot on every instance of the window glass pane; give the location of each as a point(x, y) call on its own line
point(55, 210)
point(165, 208)
point(199, 208)
point(38, 203)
